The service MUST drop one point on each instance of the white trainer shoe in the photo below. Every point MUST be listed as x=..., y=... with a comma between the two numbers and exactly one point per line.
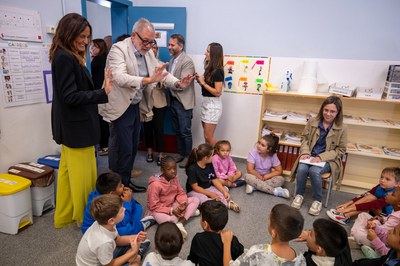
x=182, y=229
x=315, y=208
x=297, y=202
x=249, y=189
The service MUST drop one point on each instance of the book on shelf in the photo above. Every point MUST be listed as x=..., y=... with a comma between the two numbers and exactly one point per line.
x=269, y=113
x=268, y=131
x=350, y=118
x=342, y=89
x=380, y=122
x=308, y=161
x=369, y=148
x=292, y=137
x=391, y=151
x=351, y=147
x=296, y=117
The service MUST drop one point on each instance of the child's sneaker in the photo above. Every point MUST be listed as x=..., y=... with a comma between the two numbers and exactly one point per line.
x=281, y=192
x=338, y=217
x=315, y=208
x=196, y=213
x=240, y=182
x=147, y=222
x=182, y=229
x=249, y=189
x=369, y=252
x=297, y=202
x=144, y=247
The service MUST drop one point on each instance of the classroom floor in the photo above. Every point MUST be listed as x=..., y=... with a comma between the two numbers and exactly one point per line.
x=42, y=244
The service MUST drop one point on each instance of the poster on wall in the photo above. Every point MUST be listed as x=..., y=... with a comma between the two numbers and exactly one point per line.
x=23, y=66
x=20, y=24
x=246, y=74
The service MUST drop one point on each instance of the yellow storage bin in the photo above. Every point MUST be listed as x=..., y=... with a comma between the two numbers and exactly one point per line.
x=15, y=203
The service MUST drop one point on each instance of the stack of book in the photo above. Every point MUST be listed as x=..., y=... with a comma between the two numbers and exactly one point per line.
x=292, y=137
x=369, y=148
x=269, y=113
x=391, y=151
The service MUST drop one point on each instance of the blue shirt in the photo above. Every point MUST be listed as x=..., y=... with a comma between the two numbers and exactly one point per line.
x=320, y=145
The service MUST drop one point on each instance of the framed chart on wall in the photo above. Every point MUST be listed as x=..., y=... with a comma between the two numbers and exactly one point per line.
x=246, y=74
x=24, y=66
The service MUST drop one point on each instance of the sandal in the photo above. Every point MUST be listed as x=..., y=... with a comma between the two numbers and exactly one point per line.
x=233, y=206
x=150, y=158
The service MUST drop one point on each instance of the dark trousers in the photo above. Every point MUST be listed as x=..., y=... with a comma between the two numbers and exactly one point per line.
x=124, y=142
x=155, y=127
x=182, y=125
x=104, y=133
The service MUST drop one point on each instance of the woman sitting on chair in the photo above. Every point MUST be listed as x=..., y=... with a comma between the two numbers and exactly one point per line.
x=324, y=139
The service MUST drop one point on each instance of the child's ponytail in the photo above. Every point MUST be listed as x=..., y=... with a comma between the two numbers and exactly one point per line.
x=199, y=153
x=273, y=143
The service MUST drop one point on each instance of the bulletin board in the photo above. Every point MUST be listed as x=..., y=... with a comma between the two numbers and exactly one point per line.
x=246, y=74
x=25, y=67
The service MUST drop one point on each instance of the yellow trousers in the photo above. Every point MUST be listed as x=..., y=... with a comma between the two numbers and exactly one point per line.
x=77, y=176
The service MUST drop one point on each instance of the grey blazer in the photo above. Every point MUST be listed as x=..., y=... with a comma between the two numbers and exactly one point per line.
x=122, y=61
x=183, y=68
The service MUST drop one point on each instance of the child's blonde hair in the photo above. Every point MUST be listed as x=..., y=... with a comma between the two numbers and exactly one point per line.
x=105, y=207
x=395, y=171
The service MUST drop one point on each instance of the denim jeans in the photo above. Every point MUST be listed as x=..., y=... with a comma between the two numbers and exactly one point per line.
x=124, y=142
x=182, y=125
x=314, y=172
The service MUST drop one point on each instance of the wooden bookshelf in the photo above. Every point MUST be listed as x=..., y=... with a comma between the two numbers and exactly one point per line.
x=362, y=169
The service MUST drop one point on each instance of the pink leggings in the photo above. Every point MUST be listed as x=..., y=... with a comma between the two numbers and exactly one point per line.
x=359, y=230
x=161, y=217
x=204, y=198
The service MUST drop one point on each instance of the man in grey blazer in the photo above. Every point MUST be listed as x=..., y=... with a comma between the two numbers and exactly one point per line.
x=182, y=101
x=134, y=68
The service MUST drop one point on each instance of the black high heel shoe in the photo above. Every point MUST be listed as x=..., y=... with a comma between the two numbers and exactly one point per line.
x=150, y=158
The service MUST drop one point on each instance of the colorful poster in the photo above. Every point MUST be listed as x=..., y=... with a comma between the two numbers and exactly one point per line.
x=246, y=74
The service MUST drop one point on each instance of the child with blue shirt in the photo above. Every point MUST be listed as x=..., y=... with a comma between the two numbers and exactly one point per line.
x=110, y=183
x=373, y=200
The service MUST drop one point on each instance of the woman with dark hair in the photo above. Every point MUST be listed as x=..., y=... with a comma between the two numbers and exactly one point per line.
x=98, y=55
x=211, y=89
x=74, y=117
x=324, y=139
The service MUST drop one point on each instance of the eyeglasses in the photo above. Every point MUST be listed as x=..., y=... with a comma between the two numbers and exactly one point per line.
x=146, y=42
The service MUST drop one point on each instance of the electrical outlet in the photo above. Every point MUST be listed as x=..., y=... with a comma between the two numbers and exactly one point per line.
x=51, y=29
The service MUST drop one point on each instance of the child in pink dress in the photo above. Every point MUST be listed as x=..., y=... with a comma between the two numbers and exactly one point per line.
x=224, y=167
x=166, y=200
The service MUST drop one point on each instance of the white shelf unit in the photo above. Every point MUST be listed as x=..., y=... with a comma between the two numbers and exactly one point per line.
x=362, y=169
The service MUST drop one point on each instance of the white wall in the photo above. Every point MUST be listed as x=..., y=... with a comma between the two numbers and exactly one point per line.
x=100, y=19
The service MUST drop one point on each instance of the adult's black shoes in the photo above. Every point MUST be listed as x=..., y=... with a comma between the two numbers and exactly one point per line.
x=136, y=188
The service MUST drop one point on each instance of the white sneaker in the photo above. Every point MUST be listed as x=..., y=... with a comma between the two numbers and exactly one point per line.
x=249, y=189
x=182, y=229
x=297, y=202
x=196, y=213
x=315, y=208
x=281, y=192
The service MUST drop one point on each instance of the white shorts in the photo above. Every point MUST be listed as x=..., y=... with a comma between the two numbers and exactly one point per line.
x=211, y=110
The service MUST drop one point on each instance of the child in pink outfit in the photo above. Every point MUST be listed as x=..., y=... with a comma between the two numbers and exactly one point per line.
x=224, y=167
x=166, y=200
x=373, y=231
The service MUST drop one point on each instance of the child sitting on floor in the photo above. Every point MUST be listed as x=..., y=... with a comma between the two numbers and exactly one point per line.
x=327, y=244
x=285, y=224
x=372, y=231
x=166, y=200
x=168, y=241
x=224, y=166
x=98, y=244
x=373, y=200
x=264, y=170
x=202, y=181
x=393, y=256
x=207, y=248
x=110, y=183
